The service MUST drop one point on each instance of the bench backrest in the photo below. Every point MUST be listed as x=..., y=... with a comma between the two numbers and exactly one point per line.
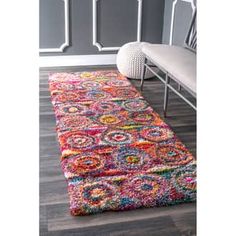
x=190, y=41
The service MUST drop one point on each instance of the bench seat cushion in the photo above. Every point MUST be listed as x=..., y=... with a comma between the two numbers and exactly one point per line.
x=177, y=61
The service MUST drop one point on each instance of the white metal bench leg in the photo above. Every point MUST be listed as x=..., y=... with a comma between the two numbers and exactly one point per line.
x=179, y=87
x=166, y=95
x=143, y=74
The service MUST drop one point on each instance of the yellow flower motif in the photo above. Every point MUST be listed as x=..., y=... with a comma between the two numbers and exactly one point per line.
x=101, y=79
x=97, y=193
x=109, y=119
x=119, y=178
x=86, y=74
x=73, y=109
x=132, y=159
x=125, y=127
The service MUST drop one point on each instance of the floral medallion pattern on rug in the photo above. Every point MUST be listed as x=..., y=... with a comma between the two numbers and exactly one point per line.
x=117, y=153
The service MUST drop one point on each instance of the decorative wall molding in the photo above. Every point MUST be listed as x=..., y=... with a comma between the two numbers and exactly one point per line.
x=95, y=40
x=66, y=43
x=173, y=16
x=77, y=60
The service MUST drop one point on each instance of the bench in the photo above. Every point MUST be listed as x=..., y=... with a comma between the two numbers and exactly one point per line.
x=177, y=63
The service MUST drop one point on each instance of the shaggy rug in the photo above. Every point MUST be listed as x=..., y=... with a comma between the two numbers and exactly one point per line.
x=117, y=153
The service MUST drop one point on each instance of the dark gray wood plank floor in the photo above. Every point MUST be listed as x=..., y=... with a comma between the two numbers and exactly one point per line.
x=55, y=218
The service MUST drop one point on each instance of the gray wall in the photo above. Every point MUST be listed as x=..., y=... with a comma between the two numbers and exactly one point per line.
x=117, y=24
x=183, y=15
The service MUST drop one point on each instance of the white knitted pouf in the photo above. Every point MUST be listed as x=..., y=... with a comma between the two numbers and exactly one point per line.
x=130, y=60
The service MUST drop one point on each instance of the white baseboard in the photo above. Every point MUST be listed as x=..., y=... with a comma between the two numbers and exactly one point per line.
x=77, y=60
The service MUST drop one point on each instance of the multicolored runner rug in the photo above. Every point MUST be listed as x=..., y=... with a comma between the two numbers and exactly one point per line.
x=117, y=153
